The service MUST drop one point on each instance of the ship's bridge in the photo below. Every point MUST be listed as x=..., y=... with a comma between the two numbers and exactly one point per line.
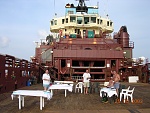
x=74, y=20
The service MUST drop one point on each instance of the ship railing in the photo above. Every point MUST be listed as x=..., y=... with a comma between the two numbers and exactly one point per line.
x=98, y=44
x=79, y=67
x=102, y=46
x=38, y=44
x=77, y=77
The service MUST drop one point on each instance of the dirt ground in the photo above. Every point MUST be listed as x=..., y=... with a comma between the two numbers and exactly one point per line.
x=78, y=103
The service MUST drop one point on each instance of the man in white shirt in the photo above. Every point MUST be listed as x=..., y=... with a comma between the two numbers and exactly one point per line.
x=86, y=81
x=46, y=80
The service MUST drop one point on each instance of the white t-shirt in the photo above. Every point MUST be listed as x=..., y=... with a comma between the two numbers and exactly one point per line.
x=46, y=76
x=86, y=77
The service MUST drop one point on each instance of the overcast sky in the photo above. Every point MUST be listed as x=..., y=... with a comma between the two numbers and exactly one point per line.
x=24, y=21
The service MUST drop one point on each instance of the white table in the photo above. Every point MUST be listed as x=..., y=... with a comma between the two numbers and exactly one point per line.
x=61, y=86
x=109, y=91
x=133, y=79
x=38, y=93
x=63, y=82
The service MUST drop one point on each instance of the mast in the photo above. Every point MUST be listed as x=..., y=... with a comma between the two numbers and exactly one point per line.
x=81, y=7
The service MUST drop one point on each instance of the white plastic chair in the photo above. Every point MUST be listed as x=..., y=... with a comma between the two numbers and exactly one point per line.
x=123, y=92
x=129, y=94
x=78, y=86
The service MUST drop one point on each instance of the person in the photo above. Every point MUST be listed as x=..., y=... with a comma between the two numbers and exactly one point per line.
x=111, y=82
x=116, y=79
x=46, y=80
x=86, y=81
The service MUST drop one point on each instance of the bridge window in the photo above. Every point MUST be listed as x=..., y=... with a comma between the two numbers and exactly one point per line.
x=79, y=20
x=72, y=19
x=93, y=19
x=86, y=20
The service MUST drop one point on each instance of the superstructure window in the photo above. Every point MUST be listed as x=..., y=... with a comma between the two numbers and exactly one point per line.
x=79, y=20
x=55, y=22
x=111, y=23
x=93, y=19
x=107, y=23
x=97, y=21
x=72, y=19
x=101, y=21
x=63, y=21
x=77, y=31
x=66, y=20
x=86, y=20
x=52, y=23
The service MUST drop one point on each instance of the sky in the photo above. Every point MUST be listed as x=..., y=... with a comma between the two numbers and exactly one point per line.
x=24, y=22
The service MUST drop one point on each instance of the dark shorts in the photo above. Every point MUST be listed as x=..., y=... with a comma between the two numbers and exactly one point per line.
x=116, y=85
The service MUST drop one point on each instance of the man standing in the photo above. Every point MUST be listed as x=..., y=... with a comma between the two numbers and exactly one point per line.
x=46, y=80
x=86, y=81
x=116, y=79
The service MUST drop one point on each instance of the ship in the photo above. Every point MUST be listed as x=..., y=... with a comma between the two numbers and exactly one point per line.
x=80, y=40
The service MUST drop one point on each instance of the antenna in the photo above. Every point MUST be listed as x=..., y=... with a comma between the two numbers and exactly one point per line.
x=55, y=14
x=105, y=8
x=97, y=3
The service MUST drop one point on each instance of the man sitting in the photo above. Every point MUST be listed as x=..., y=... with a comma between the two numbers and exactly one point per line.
x=111, y=83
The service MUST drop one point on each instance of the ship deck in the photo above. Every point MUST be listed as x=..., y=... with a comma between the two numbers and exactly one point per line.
x=76, y=102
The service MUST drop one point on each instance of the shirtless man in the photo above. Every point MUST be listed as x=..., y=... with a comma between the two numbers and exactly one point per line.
x=116, y=78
